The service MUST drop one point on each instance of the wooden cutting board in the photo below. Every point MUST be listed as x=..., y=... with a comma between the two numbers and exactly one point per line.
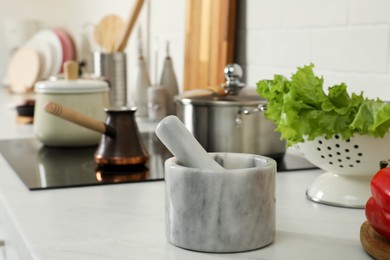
x=23, y=70
x=374, y=244
x=209, y=41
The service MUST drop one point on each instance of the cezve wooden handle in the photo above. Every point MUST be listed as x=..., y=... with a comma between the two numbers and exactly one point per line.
x=121, y=44
x=75, y=117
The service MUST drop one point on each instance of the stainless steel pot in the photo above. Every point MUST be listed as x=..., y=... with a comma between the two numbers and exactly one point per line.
x=231, y=123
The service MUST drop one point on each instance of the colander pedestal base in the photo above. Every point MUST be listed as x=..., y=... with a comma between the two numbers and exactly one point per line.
x=341, y=191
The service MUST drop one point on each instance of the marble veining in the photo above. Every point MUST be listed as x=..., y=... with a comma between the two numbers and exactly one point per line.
x=231, y=210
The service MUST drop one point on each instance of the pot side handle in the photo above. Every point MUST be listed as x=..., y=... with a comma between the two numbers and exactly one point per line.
x=259, y=108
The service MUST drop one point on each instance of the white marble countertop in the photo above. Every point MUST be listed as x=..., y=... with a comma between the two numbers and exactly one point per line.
x=126, y=221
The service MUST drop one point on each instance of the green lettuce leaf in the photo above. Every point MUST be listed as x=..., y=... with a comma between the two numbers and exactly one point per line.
x=300, y=108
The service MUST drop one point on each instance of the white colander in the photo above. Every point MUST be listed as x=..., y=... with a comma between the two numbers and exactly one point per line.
x=350, y=165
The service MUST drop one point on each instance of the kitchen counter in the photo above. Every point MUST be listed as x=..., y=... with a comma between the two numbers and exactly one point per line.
x=126, y=221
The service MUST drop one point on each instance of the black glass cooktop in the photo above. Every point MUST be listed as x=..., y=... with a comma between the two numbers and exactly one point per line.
x=41, y=167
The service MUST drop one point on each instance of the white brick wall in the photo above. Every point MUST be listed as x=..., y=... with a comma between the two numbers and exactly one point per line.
x=347, y=40
x=369, y=12
x=314, y=13
x=351, y=48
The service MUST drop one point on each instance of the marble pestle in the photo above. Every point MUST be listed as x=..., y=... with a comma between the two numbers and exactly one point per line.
x=183, y=145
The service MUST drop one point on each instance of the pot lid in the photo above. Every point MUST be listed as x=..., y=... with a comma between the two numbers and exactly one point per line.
x=71, y=86
x=228, y=100
x=234, y=92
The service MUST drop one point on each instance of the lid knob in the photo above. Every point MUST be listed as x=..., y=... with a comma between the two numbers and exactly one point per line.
x=233, y=74
x=71, y=70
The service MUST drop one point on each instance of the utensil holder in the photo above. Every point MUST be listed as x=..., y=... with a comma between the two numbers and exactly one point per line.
x=112, y=67
x=231, y=210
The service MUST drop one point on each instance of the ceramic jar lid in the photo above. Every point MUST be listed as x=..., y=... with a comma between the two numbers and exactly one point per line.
x=71, y=86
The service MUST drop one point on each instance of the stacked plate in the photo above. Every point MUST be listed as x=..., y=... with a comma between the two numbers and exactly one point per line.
x=40, y=58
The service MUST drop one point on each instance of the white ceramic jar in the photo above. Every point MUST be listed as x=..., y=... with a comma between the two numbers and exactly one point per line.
x=89, y=97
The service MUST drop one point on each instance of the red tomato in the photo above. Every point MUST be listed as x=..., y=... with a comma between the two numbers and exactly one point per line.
x=378, y=218
x=380, y=188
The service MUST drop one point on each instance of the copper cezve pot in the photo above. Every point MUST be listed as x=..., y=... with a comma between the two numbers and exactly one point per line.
x=120, y=143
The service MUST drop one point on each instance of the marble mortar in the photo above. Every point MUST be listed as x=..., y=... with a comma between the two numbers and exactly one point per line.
x=231, y=210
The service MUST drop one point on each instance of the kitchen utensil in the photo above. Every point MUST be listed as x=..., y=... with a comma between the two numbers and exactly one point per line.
x=139, y=90
x=181, y=143
x=23, y=70
x=157, y=99
x=349, y=165
x=122, y=41
x=86, y=96
x=220, y=211
x=169, y=81
x=232, y=122
x=88, y=42
x=25, y=112
x=112, y=67
x=374, y=244
x=120, y=143
x=26, y=109
x=157, y=95
x=108, y=30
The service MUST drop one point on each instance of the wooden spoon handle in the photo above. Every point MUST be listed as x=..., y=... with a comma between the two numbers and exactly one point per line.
x=75, y=117
x=121, y=44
